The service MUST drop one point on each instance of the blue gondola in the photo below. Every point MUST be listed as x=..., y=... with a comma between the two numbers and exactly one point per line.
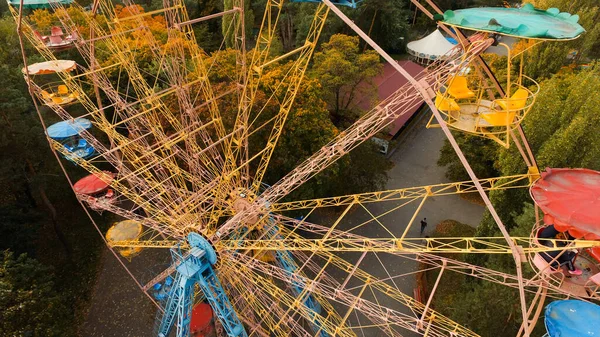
x=572, y=318
x=67, y=133
x=161, y=290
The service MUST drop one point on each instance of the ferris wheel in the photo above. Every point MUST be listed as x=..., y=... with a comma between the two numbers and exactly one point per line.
x=172, y=149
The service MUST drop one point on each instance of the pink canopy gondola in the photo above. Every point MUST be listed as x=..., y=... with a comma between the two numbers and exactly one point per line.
x=570, y=199
x=93, y=183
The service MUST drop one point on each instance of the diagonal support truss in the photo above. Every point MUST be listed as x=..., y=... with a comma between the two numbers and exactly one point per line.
x=295, y=79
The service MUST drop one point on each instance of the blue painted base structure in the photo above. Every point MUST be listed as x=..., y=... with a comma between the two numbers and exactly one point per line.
x=348, y=3
x=196, y=268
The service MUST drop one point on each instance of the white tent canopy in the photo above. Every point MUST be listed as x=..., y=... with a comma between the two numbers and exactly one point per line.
x=431, y=47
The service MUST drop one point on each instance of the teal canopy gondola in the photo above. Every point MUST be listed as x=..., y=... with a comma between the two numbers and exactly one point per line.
x=68, y=129
x=524, y=22
x=348, y=3
x=572, y=318
x=37, y=4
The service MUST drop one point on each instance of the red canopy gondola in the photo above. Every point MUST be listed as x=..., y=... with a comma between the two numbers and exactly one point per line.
x=93, y=183
x=201, y=323
x=570, y=199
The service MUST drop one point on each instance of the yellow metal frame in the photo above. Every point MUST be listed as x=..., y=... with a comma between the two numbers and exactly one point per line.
x=489, y=184
x=179, y=162
x=480, y=126
x=462, y=245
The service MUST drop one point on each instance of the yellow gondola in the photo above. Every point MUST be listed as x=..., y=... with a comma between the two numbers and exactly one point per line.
x=471, y=107
x=128, y=230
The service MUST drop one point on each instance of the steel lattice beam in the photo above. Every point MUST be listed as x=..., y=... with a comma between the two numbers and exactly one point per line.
x=468, y=245
x=371, y=123
x=489, y=184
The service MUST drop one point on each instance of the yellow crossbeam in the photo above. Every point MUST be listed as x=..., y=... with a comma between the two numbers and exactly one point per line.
x=490, y=184
x=472, y=245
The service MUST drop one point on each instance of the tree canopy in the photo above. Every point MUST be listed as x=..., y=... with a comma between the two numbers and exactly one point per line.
x=547, y=58
x=562, y=129
x=345, y=75
x=30, y=304
x=40, y=291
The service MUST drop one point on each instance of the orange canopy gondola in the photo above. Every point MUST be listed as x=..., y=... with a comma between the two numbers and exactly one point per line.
x=50, y=67
x=570, y=199
x=93, y=183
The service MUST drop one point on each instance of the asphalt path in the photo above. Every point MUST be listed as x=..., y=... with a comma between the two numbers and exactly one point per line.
x=415, y=164
x=118, y=307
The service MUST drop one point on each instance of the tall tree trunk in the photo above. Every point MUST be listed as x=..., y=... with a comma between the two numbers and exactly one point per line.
x=53, y=215
x=370, y=28
x=29, y=195
x=57, y=230
x=287, y=33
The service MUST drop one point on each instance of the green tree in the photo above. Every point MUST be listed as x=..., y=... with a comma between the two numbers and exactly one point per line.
x=547, y=58
x=228, y=23
x=18, y=228
x=562, y=124
x=345, y=75
x=295, y=21
x=39, y=214
x=423, y=24
x=307, y=129
x=480, y=153
x=387, y=22
x=30, y=304
x=561, y=129
x=488, y=308
x=446, y=295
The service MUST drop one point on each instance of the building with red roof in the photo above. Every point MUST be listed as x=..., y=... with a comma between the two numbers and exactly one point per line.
x=389, y=82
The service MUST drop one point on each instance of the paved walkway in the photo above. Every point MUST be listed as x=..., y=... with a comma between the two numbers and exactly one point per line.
x=118, y=307
x=415, y=162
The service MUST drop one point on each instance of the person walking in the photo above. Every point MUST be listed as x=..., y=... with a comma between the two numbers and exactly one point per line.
x=423, y=225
